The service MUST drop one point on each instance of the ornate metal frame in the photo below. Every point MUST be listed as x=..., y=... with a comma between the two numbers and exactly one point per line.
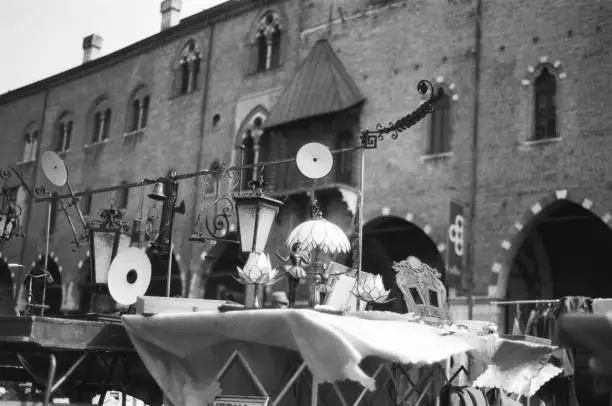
x=17, y=211
x=370, y=138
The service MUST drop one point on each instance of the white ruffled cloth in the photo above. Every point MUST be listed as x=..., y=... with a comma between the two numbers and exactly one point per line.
x=183, y=351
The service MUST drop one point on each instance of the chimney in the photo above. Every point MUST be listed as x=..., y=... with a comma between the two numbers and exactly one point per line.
x=92, y=47
x=170, y=13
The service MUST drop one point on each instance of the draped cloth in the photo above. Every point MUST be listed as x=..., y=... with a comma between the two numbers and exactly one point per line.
x=184, y=352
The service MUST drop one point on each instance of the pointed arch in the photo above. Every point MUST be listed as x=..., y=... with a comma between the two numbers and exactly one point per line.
x=31, y=141
x=63, y=132
x=267, y=40
x=99, y=120
x=249, y=139
x=186, y=68
x=500, y=270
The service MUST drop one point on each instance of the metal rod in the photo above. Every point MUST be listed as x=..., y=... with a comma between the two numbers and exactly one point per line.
x=45, y=270
x=535, y=301
x=50, y=378
x=185, y=176
x=287, y=386
x=360, y=220
x=69, y=372
x=75, y=201
x=170, y=253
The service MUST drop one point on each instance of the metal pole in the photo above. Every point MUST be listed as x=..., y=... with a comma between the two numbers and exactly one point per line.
x=45, y=269
x=360, y=217
x=170, y=253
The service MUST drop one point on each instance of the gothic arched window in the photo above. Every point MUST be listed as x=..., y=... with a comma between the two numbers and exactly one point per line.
x=440, y=129
x=138, y=113
x=545, y=109
x=30, y=143
x=63, y=133
x=268, y=38
x=187, y=69
x=101, y=117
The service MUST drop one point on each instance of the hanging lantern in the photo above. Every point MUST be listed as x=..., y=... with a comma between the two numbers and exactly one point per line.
x=256, y=214
x=105, y=242
x=9, y=216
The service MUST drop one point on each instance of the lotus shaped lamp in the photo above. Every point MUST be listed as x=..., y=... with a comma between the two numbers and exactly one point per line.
x=257, y=270
x=370, y=289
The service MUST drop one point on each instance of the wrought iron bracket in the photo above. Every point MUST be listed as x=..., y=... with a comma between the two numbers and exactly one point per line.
x=370, y=138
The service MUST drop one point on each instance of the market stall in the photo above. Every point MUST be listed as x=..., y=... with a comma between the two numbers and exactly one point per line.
x=187, y=354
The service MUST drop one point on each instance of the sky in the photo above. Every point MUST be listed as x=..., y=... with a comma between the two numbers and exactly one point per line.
x=39, y=38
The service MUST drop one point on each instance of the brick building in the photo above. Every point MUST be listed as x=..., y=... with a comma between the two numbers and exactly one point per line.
x=518, y=138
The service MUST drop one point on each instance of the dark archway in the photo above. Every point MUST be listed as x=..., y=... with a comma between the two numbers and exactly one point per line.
x=159, y=274
x=219, y=271
x=564, y=252
x=391, y=239
x=7, y=297
x=53, y=294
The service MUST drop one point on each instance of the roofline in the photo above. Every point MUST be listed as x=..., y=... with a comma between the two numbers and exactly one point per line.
x=187, y=25
x=295, y=122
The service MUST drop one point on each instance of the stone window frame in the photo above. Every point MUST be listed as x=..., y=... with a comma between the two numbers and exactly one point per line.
x=527, y=140
x=31, y=142
x=267, y=41
x=450, y=89
x=99, y=121
x=138, y=109
x=251, y=127
x=63, y=132
x=187, y=69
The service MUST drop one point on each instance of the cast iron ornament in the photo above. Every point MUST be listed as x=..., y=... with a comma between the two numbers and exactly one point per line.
x=370, y=138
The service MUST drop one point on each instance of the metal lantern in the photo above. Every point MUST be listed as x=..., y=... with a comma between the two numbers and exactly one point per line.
x=256, y=214
x=105, y=241
x=9, y=216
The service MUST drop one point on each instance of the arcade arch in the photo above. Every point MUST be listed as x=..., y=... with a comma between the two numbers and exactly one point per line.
x=389, y=238
x=560, y=248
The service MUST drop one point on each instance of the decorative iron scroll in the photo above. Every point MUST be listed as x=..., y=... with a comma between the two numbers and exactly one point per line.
x=37, y=191
x=370, y=138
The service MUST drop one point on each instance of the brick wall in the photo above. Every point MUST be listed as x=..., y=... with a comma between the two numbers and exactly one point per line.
x=387, y=47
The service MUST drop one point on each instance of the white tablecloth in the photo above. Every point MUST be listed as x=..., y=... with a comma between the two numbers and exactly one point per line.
x=176, y=348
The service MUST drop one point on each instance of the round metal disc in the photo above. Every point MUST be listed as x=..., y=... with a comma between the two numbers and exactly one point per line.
x=54, y=168
x=314, y=160
x=129, y=275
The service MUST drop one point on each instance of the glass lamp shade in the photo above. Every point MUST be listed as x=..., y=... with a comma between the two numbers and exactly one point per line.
x=104, y=246
x=255, y=217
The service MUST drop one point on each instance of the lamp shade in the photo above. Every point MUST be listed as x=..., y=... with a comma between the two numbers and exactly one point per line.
x=256, y=214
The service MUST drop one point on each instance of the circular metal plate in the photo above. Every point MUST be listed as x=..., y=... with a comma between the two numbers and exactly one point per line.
x=54, y=168
x=129, y=275
x=314, y=160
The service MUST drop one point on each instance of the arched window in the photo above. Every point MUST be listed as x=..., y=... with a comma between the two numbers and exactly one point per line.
x=545, y=111
x=250, y=133
x=30, y=143
x=100, y=121
x=248, y=157
x=138, y=113
x=122, y=197
x=187, y=69
x=63, y=133
x=440, y=130
x=268, y=38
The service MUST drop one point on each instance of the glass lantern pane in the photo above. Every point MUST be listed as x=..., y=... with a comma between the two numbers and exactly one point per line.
x=246, y=211
x=103, y=251
x=267, y=213
x=124, y=242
